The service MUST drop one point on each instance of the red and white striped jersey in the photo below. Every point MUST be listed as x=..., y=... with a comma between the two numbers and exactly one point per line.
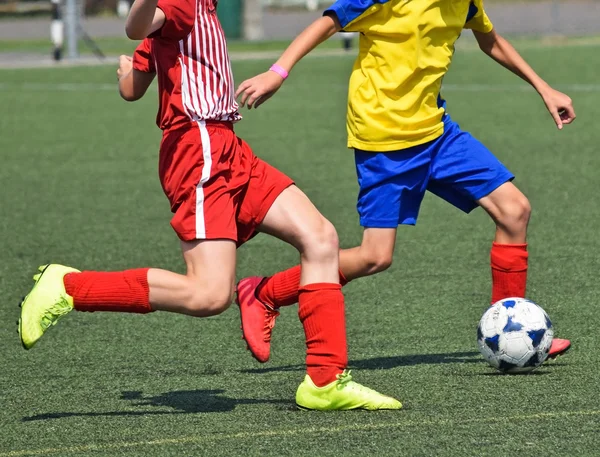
x=189, y=56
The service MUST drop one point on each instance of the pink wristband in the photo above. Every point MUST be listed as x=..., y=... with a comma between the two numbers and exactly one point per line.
x=279, y=70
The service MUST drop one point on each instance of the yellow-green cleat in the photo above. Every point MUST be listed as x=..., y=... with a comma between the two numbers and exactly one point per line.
x=342, y=394
x=47, y=302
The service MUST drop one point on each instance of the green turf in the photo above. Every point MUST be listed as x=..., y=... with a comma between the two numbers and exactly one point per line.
x=80, y=187
x=116, y=46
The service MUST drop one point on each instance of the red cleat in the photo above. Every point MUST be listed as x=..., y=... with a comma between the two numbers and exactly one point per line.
x=257, y=318
x=558, y=347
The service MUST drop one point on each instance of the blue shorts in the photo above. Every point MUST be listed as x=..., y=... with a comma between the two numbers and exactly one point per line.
x=455, y=166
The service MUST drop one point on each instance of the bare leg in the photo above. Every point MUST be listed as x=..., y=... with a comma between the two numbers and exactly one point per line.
x=206, y=289
x=510, y=210
x=373, y=255
x=294, y=219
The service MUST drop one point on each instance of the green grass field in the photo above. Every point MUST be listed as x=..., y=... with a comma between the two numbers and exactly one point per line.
x=81, y=188
x=122, y=45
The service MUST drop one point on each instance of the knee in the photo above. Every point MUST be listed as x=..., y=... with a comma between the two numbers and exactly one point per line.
x=209, y=301
x=321, y=243
x=377, y=261
x=514, y=214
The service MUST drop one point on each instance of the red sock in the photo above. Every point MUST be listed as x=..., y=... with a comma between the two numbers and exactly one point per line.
x=321, y=311
x=509, y=270
x=124, y=291
x=281, y=289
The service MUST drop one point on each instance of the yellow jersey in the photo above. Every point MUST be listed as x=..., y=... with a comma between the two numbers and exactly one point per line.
x=405, y=49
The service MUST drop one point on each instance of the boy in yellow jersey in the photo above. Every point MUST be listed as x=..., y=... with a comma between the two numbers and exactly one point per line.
x=405, y=143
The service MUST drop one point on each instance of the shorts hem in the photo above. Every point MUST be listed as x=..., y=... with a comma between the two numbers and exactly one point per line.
x=268, y=202
x=370, y=223
x=192, y=236
x=487, y=189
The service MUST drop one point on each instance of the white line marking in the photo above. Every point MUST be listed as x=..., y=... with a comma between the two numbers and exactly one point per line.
x=298, y=431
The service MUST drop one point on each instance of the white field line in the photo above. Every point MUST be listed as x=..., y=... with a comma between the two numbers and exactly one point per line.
x=197, y=439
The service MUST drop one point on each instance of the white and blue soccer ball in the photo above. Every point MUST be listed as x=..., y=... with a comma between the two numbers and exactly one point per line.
x=515, y=335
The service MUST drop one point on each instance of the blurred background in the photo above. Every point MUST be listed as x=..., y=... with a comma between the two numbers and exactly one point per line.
x=61, y=29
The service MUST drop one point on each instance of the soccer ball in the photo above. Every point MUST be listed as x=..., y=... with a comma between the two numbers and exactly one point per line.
x=515, y=335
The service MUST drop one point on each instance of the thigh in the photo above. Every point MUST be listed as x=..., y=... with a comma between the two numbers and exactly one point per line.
x=374, y=254
x=502, y=200
x=391, y=186
x=464, y=170
x=264, y=187
x=292, y=217
x=211, y=263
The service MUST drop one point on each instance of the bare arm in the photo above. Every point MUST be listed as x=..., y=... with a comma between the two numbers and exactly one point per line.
x=144, y=18
x=133, y=83
x=312, y=36
x=257, y=90
x=559, y=105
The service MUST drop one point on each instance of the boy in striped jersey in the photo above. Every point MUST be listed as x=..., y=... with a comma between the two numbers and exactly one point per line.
x=221, y=194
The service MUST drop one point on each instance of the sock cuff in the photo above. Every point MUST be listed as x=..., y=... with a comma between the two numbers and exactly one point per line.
x=68, y=282
x=140, y=275
x=508, y=246
x=509, y=257
x=317, y=286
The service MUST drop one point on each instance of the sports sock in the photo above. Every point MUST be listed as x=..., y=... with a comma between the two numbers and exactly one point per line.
x=281, y=289
x=124, y=291
x=321, y=311
x=509, y=270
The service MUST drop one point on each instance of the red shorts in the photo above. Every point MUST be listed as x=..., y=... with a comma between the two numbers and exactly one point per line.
x=217, y=187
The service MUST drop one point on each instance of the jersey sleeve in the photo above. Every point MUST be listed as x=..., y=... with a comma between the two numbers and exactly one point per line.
x=477, y=19
x=142, y=57
x=350, y=12
x=179, y=19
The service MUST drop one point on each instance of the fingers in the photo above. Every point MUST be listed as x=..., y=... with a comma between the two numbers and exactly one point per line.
x=254, y=98
x=249, y=95
x=248, y=92
x=245, y=95
x=242, y=87
x=557, y=119
x=568, y=115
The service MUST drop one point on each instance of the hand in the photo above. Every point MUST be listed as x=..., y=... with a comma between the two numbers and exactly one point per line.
x=255, y=91
x=560, y=107
x=125, y=66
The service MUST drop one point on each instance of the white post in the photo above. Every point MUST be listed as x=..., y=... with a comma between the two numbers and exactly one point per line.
x=312, y=5
x=123, y=7
x=72, y=20
x=252, y=20
x=57, y=30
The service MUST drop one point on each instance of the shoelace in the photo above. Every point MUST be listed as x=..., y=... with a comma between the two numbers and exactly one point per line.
x=270, y=317
x=55, y=311
x=344, y=379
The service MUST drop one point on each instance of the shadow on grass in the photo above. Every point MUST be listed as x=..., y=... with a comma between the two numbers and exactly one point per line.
x=386, y=363
x=180, y=402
